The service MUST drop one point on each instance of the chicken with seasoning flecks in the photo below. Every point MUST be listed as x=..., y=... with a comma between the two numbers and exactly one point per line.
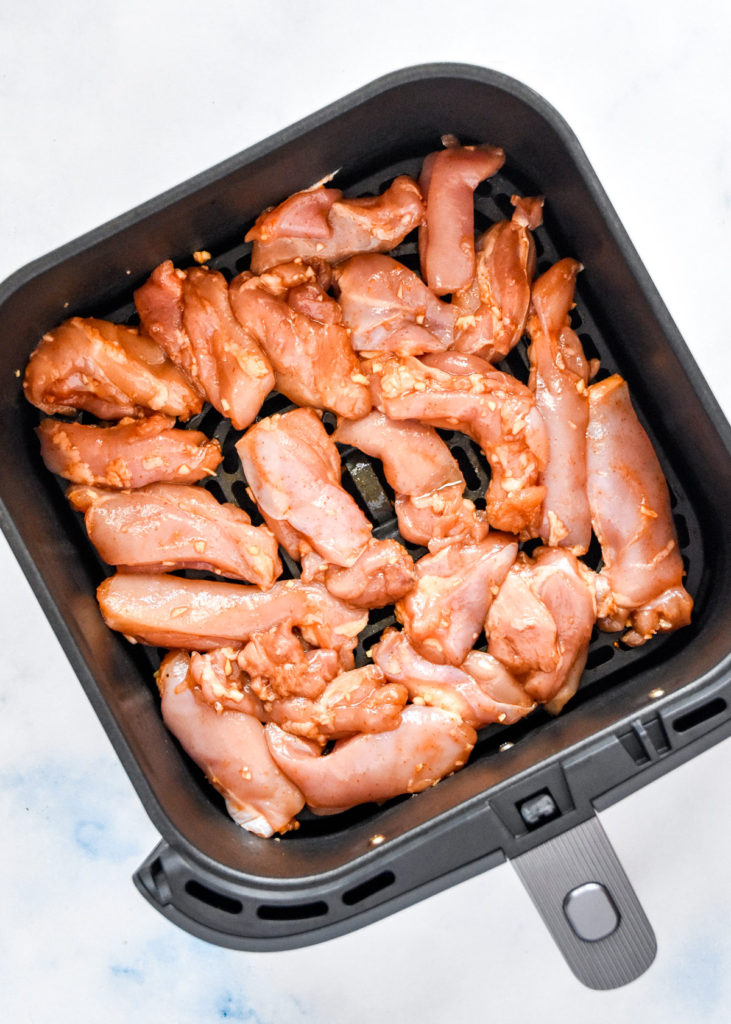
x=299, y=327
x=465, y=393
x=319, y=223
x=420, y=615
x=166, y=527
x=293, y=469
x=128, y=454
x=189, y=314
x=429, y=487
x=108, y=370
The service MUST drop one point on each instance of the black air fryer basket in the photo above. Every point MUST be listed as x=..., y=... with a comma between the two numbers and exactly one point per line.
x=529, y=792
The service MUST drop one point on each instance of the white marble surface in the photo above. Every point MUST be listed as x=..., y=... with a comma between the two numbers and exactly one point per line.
x=103, y=106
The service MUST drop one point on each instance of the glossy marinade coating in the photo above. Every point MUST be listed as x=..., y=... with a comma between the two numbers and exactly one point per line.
x=129, y=454
x=231, y=749
x=189, y=314
x=166, y=527
x=107, y=369
x=319, y=223
x=559, y=375
x=198, y=615
x=641, y=584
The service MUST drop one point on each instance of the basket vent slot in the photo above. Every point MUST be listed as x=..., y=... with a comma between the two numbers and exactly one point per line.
x=214, y=899
x=291, y=911
x=700, y=714
x=368, y=888
x=599, y=656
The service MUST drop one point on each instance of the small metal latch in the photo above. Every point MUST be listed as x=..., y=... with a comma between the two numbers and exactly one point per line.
x=538, y=809
x=588, y=904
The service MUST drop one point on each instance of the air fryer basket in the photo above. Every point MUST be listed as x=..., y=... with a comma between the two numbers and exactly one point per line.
x=529, y=791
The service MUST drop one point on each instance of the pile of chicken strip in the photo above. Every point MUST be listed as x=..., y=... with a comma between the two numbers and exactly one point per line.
x=259, y=685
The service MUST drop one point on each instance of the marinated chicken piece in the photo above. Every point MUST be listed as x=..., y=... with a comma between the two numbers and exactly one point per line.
x=558, y=378
x=165, y=527
x=429, y=486
x=188, y=312
x=220, y=682
x=293, y=469
x=299, y=326
x=493, y=308
x=286, y=537
x=447, y=239
x=415, y=459
x=314, y=698
x=444, y=613
x=479, y=691
x=427, y=744
x=319, y=223
x=359, y=701
x=301, y=215
x=539, y=625
x=387, y=307
x=133, y=453
x=462, y=392
x=433, y=520
x=279, y=664
x=198, y=615
x=641, y=583
x=108, y=370
x=339, y=703
x=230, y=748
x=382, y=574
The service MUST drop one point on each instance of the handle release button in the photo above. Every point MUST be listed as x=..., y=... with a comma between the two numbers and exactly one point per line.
x=591, y=911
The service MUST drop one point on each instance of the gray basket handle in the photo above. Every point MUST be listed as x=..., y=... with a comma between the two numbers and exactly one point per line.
x=589, y=906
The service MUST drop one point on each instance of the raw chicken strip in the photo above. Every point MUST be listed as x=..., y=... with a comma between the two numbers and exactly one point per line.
x=108, y=370
x=198, y=615
x=221, y=683
x=382, y=574
x=359, y=701
x=447, y=239
x=539, y=625
x=387, y=307
x=462, y=392
x=419, y=466
x=444, y=613
x=164, y=527
x=133, y=453
x=559, y=377
x=188, y=312
x=279, y=664
x=433, y=520
x=307, y=693
x=480, y=691
x=230, y=748
x=299, y=326
x=641, y=584
x=293, y=469
x=493, y=308
x=427, y=744
x=319, y=223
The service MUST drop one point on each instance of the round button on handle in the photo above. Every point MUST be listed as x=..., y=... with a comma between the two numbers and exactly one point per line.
x=591, y=912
